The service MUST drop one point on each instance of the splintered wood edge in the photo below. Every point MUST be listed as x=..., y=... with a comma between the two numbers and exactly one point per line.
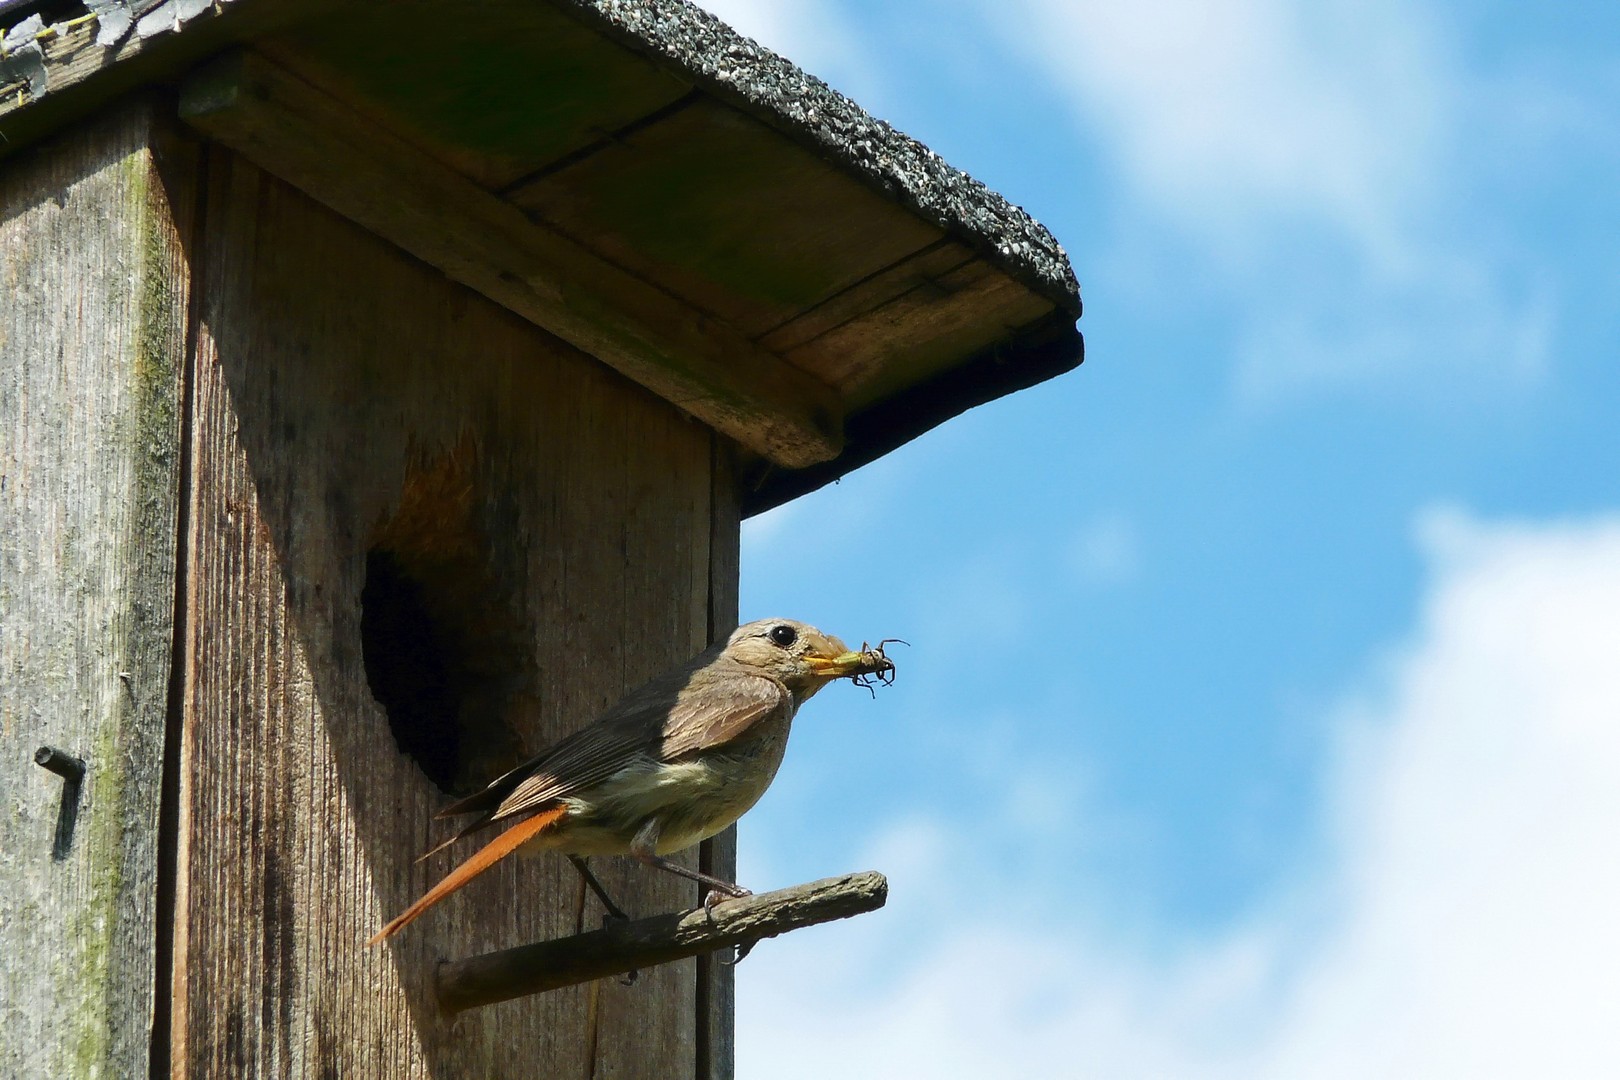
x=320, y=145
x=643, y=943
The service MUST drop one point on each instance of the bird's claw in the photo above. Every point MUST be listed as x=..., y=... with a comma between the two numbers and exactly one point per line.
x=715, y=896
x=608, y=919
x=739, y=952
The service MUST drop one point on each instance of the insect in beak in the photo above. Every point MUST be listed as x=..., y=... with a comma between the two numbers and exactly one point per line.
x=859, y=666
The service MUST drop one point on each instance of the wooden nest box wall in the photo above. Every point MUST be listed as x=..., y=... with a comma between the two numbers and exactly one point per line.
x=381, y=391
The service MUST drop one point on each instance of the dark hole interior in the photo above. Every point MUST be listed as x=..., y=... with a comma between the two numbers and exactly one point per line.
x=443, y=625
x=414, y=667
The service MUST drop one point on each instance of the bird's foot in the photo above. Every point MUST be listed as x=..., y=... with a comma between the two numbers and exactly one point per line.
x=719, y=895
x=614, y=915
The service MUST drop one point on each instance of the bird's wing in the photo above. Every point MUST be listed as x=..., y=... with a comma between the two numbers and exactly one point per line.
x=725, y=709
x=654, y=722
x=583, y=758
x=587, y=758
x=662, y=721
x=631, y=728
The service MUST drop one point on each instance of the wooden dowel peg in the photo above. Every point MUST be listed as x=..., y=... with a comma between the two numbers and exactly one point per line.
x=71, y=770
x=61, y=763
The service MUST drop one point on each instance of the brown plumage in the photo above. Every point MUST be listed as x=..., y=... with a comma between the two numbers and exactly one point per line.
x=672, y=763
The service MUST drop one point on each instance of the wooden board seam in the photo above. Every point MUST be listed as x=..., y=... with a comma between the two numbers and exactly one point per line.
x=400, y=193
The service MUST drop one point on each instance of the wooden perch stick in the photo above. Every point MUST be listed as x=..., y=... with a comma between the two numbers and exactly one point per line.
x=619, y=947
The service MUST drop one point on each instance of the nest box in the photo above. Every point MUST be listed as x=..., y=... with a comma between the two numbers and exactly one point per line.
x=381, y=390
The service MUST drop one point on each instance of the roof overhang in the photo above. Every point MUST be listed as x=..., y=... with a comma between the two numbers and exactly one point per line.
x=634, y=177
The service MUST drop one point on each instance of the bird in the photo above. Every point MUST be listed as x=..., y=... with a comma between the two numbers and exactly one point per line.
x=674, y=762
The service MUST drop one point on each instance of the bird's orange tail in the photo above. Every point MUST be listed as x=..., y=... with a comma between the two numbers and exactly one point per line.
x=484, y=858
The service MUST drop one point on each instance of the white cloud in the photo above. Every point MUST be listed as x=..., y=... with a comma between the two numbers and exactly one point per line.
x=1236, y=113
x=1461, y=925
x=814, y=34
x=1454, y=336
x=1318, y=158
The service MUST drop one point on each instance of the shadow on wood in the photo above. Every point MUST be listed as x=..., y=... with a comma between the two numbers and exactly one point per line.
x=629, y=946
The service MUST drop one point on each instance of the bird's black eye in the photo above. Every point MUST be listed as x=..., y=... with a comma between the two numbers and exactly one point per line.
x=784, y=635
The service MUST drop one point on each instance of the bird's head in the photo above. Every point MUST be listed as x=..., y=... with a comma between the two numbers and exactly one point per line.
x=800, y=656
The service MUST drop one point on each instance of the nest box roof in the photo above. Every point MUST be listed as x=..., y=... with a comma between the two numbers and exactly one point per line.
x=631, y=175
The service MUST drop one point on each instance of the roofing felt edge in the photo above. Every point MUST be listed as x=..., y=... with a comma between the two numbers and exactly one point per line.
x=1043, y=350
x=704, y=50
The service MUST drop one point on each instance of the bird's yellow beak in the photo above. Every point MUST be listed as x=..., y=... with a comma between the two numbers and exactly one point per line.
x=836, y=666
x=836, y=662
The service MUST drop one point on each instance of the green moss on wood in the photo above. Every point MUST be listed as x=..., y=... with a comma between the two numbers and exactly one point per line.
x=153, y=364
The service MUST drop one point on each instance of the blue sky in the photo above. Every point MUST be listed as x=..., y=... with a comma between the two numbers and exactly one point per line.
x=1262, y=715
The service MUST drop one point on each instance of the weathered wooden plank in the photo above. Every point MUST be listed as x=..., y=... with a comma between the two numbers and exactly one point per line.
x=83, y=68
x=492, y=106
x=716, y=991
x=399, y=192
x=689, y=202
x=663, y=579
x=920, y=269
x=938, y=312
x=92, y=332
x=642, y=943
x=1040, y=351
x=350, y=397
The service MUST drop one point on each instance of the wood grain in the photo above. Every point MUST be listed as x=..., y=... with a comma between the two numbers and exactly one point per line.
x=82, y=75
x=920, y=270
x=716, y=989
x=917, y=319
x=332, y=369
x=728, y=213
x=92, y=332
x=493, y=111
x=699, y=363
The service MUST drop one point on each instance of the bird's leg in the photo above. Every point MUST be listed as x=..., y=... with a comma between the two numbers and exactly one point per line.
x=613, y=910
x=644, y=849
x=718, y=890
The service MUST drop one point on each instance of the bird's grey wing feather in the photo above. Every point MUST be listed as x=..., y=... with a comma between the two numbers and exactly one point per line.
x=726, y=709
x=628, y=731
x=654, y=722
x=584, y=758
x=629, y=728
x=490, y=795
x=578, y=764
x=721, y=712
